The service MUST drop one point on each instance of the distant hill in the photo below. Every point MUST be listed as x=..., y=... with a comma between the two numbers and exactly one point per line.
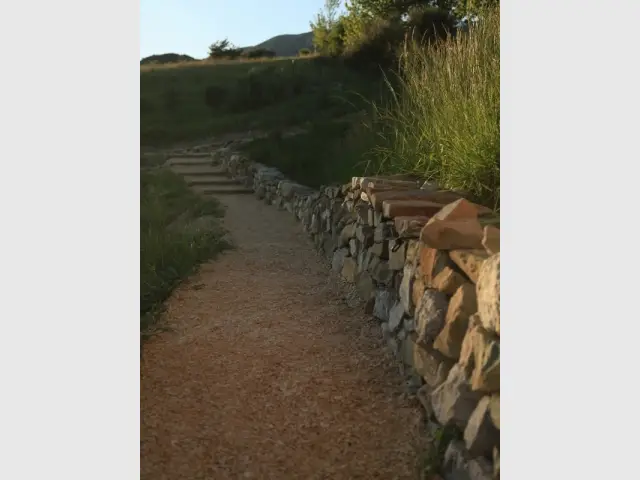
x=287, y=45
x=166, y=58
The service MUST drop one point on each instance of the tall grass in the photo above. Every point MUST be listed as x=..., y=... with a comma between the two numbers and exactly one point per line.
x=178, y=231
x=444, y=118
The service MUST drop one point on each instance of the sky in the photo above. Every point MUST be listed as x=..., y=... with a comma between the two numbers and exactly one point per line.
x=190, y=26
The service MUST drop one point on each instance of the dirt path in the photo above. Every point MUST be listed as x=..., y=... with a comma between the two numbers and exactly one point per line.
x=267, y=373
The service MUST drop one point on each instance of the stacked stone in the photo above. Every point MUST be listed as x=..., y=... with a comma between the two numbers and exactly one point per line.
x=426, y=263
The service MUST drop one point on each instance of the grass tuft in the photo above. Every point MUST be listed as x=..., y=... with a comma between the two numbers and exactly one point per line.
x=443, y=121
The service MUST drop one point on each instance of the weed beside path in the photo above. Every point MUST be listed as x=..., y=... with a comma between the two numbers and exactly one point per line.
x=178, y=231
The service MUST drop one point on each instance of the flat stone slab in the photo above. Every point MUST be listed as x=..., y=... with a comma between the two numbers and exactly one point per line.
x=200, y=170
x=407, y=208
x=397, y=181
x=205, y=180
x=182, y=160
x=222, y=189
x=443, y=197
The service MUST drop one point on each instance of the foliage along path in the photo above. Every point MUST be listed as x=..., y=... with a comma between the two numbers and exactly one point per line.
x=268, y=371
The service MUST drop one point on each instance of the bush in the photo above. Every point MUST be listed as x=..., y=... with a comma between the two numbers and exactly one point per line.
x=444, y=122
x=427, y=24
x=376, y=44
x=304, y=52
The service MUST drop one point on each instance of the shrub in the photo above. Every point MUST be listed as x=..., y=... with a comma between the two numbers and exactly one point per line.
x=304, y=52
x=376, y=44
x=428, y=24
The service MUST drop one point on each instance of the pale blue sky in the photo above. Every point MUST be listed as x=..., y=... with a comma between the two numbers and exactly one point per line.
x=190, y=26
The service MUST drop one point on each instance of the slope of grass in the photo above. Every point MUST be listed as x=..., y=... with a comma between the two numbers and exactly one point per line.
x=444, y=122
x=195, y=101
x=178, y=231
x=325, y=154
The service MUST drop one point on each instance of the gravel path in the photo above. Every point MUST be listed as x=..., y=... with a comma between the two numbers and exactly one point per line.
x=268, y=373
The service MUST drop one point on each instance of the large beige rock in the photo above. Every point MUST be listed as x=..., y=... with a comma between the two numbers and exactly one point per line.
x=452, y=234
x=467, y=359
x=486, y=356
x=469, y=261
x=430, y=315
x=425, y=361
x=480, y=435
x=432, y=262
x=494, y=410
x=488, y=292
x=460, y=209
x=448, y=281
x=418, y=291
x=463, y=304
x=453, y=402
x=491, y=239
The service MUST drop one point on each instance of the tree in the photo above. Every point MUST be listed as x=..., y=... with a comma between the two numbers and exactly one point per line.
x=223, y=48
x=328, y=29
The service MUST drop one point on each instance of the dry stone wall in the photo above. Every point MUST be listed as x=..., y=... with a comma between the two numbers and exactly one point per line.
x=426, y=263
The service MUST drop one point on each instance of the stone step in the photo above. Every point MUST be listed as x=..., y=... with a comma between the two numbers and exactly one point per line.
x=222, y=189
x=198, y=170
x=205, y=180
x=182, y=160
x=191, y=154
